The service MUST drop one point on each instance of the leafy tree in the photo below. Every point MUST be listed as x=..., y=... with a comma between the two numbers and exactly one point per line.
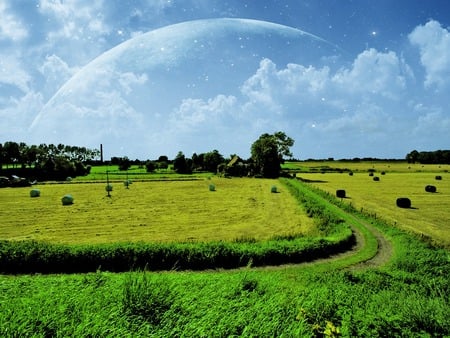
x=211, y=160
x=124, y=163
x=150, y=166
x=268, y=151
x=181, y=165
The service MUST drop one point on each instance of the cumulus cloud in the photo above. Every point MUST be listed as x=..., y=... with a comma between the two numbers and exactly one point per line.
x=374, y=73
x=433, y=41
x=193, y=114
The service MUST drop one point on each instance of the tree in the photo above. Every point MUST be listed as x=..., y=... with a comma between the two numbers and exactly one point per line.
x=211, y=160
x=268, y=151
x=181, y=165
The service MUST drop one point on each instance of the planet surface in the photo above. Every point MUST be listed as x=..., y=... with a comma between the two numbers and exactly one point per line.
x=163, y=91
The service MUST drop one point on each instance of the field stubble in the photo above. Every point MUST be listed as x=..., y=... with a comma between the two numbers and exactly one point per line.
x=429, y=214
x=152, y=211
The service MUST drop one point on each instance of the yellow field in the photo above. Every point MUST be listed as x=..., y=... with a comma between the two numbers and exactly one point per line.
x=429, y=213
x=152, y=211
x=364, y=166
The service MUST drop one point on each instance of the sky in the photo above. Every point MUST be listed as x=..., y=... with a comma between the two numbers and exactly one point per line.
x=366, y=79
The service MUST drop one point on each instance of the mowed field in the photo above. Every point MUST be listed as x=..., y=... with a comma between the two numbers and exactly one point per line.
x=239, y=208
x=429, y=213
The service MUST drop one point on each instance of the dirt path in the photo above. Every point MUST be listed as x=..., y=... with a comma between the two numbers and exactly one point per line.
x=384, y=251
x=381, y=257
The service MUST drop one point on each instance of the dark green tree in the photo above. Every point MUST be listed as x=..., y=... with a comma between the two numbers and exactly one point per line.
x=211, y=160
x=268, y=152
x=181, y=165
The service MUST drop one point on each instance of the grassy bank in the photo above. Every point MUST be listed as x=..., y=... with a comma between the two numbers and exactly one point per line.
x=408, y=297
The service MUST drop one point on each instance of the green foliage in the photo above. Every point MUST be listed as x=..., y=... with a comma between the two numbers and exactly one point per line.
x=181, y=165
x=268, y=151
x=146, y=299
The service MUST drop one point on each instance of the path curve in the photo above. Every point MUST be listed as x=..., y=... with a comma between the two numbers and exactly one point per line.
x=380, y=258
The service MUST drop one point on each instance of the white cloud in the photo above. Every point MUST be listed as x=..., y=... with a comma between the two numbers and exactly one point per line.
x=57, y=72
x=78, y=19
x=374, y=73
x=18, y=114
x=13, y=73
x=11, y=27
x=434, y=44
x=196, y=113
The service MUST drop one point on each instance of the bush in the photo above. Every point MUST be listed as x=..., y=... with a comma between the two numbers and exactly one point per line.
x=403, y=202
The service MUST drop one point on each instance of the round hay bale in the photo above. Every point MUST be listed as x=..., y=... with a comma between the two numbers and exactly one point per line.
x=438, y=177
x=127, y=183
x=403, y=202
x=383, y=173
x=35, y=193
x=273, y=189
x=340, y=193
x=370, y=174
x=109, y=187
x=67, y=200
x=212, y=187
x=69, y=179
x=430, y=188
x=350, y=173
x=376, y=178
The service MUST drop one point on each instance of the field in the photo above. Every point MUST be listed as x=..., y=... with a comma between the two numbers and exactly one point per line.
x=406, y=294
x=174, y=211
x=429, y=213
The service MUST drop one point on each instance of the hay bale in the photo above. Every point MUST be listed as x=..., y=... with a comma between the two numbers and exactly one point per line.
x=430, y=188
x=273, y=189
x=350, y=173
x=67, y=199
x=376, y=178
x=371, y=174
x=127, y=183
x=109, y=187
x=212, y=187
x=35, y=193
x=438, y=177
x=383, y=173
x=340, y=193
x=403, y=202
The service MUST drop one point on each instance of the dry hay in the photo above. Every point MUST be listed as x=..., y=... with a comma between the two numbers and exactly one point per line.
x=67, y=200
x=403, y=202
x=340, y=193
x=430, y=188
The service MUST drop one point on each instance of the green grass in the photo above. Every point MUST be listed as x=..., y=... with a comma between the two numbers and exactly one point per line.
x=409, y=297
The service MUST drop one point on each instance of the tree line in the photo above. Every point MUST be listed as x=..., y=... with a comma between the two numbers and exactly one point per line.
x=61, y=161
x=46, y=161
x=429, y=157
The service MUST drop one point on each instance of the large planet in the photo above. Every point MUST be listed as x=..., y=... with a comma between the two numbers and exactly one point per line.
x=190, y=87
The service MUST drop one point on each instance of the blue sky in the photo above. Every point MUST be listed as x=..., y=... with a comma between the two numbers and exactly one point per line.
x=379, y=88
